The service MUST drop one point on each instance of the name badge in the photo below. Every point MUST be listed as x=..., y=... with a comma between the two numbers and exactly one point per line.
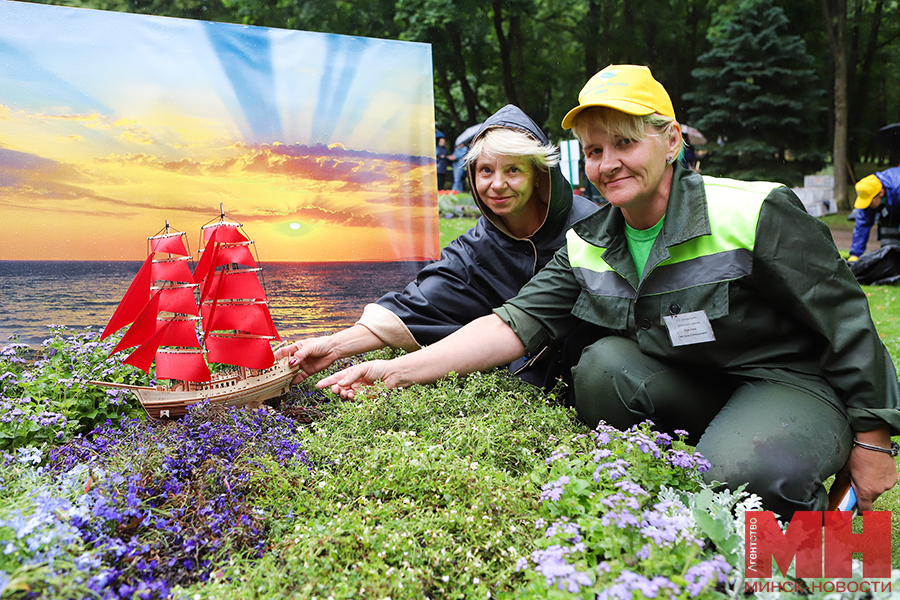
x=689, y=328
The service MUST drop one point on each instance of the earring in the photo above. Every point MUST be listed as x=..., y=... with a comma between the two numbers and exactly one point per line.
x=670, y=160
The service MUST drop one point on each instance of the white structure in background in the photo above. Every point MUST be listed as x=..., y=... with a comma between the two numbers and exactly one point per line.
x=569, y=153
x=817, y=195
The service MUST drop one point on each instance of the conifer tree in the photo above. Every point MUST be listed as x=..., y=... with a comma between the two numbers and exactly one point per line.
x=756, y=98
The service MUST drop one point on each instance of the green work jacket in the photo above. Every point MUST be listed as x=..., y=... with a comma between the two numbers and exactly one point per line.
x=781, y=302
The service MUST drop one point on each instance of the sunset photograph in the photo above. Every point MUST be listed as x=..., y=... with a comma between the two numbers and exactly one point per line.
x=321, y=145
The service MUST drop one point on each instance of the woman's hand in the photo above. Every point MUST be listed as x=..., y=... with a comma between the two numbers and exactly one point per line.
x=315, y=354
x=312, y=355
x=484, y=343
x=871, y=473
x=347, y=382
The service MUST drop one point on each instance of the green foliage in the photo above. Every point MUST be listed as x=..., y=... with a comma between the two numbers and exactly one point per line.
x=43, y=396
x=757, y=94
x=884, y=303
x=419, y=492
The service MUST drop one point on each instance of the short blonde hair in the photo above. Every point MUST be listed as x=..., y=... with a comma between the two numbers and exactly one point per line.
x=504, y=141
x=622, y=124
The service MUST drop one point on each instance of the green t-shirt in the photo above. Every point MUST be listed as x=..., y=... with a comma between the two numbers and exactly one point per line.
x=640, y=241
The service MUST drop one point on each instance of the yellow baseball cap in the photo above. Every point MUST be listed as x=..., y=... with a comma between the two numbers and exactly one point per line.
x=866, y=189
x=628, y=88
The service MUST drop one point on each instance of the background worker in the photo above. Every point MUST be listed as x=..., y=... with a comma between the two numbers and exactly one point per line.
x=878, y=200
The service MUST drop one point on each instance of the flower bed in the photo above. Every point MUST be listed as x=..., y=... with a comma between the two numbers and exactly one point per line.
x=474, y=487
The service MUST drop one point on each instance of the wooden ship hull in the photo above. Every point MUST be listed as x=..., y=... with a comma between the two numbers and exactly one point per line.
x=226, y=389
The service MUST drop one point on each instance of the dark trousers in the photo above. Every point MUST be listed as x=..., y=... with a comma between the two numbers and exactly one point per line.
x=782, y=436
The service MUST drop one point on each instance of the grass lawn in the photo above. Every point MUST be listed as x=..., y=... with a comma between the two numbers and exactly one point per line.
x=884, y=303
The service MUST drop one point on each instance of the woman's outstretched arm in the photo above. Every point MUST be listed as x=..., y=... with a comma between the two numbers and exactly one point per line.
x=484, y=343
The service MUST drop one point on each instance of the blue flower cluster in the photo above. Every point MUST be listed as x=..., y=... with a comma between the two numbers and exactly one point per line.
x=140, y=507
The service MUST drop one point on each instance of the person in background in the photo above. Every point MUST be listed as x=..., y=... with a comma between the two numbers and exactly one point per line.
x=443, y=162
x=526, y=205
x=459, y=167
x=730, y=315
x=877, y=200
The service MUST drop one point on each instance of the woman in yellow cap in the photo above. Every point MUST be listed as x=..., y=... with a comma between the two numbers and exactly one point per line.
x=877, y=198
x=731, y=313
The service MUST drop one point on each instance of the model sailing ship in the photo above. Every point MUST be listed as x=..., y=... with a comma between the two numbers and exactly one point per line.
x=163, y=305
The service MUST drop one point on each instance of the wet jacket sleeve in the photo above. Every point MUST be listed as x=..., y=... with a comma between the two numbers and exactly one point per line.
x=445, y=295
x=797, y=268
x=541, y=314
x=865, y=218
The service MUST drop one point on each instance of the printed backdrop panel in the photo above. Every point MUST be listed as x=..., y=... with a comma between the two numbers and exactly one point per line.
x=111, y=123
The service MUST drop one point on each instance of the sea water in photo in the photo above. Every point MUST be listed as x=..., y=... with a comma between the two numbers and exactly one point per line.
x=304, y=298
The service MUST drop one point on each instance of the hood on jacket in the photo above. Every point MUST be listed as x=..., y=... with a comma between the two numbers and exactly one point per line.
x=553, y=188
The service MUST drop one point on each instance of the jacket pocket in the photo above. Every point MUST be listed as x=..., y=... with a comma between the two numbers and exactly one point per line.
x=712, y=298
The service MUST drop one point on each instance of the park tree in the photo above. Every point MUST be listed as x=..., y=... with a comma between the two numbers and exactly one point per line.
x=757, y=86
x=756, y=96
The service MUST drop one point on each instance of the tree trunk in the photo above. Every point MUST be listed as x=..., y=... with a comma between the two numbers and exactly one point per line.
x=590, y=34
x=505, y=55
x=835, y=13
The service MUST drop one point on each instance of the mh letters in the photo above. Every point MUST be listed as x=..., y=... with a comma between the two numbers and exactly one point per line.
x=829, y=555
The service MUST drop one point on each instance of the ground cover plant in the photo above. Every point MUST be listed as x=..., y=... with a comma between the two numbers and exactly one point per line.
x=42, y=395
x=474, y=487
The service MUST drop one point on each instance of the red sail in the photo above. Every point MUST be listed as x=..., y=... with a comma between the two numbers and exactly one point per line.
x=142, y=358
x=245, y=285
x=144, y=327
x=207, y=261
x=133, y=302
x=235, y=254
x=177, y=332
x=224, y=234
x=172, y=244
x=245, y=352
x=172, y=270
x=249, y=318
x=235, y=285
x=178, y=300
x=186, y=366
x=180, y=332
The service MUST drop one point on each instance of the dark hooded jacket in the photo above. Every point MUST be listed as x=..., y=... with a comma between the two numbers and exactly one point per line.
x=482, y=268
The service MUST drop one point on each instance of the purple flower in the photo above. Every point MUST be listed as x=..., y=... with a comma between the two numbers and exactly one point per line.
x=556, y=455
x=679, y=458
x=554, y=491
x=551, y=564
x=614, y=470
x=601, y=454
x=628, y=582
x=663, y=439
x=566, y=528
x=702, y=464
x=712, y=571
x=632, y=488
